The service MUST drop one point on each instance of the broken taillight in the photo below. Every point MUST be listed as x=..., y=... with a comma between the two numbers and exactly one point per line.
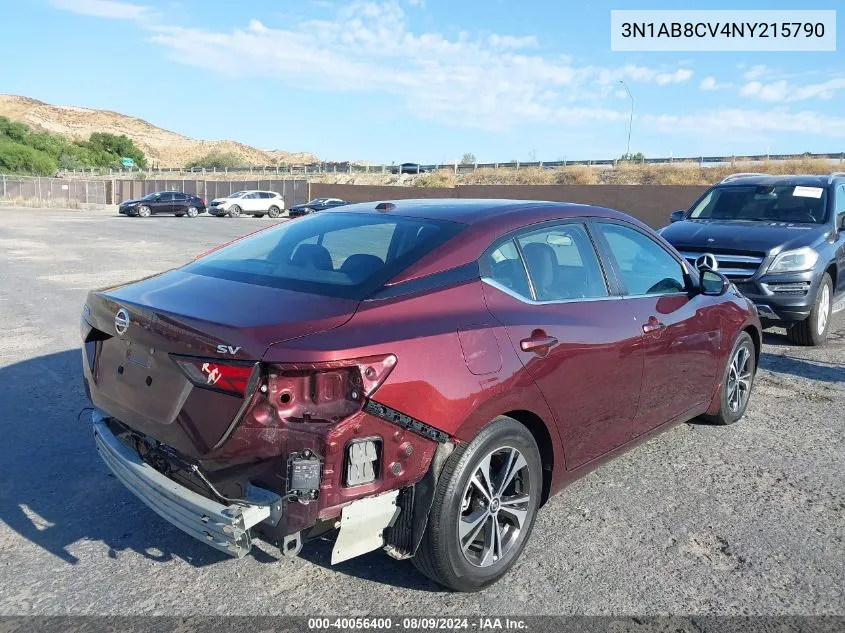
x=233, y=378
x=326, y=391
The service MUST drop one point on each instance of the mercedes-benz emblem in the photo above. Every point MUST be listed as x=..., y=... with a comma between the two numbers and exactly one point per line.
x=121, y=321
x=707, y=261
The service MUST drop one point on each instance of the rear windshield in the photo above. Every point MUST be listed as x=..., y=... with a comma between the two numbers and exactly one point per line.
x=789, y=203
x=347, y=255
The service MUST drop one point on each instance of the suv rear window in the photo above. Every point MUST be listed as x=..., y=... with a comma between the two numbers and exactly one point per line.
x=347, y=255
x=779, y=203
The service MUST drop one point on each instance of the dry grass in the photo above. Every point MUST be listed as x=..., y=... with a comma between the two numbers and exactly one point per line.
x=623, y=174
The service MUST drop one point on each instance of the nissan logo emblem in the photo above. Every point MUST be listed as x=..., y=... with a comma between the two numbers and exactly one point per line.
x=707, y=262
x=121, y=321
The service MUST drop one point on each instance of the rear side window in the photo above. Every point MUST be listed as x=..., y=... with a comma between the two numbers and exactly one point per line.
x=563, y=263
x=347, y=255
x=506, y=269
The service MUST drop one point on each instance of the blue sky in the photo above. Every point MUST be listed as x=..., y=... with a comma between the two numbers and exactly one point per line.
x=420, y=80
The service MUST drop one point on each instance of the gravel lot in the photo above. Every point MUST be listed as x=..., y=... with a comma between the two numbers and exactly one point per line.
x=748, y=519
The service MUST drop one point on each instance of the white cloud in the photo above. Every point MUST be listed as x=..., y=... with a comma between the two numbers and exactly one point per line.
x=104, y=9
x=734, y=123
x=494, y=82
x=756, y=71
x=710, y=83
x=784, y=92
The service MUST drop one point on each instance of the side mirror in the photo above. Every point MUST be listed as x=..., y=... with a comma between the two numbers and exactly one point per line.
x=713, y=284
x=676, y=216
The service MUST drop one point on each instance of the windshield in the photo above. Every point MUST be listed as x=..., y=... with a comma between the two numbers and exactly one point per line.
x=317, y=201
x=151, y=196
x=346, y=255
x=237, y=194
x=780, y=203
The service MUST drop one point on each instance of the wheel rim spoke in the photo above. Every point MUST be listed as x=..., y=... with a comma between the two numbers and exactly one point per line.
x=518, y=514
x=470, y=526
x=516, y=462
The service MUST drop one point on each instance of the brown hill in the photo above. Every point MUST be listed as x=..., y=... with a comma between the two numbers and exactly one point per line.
x=162, y=147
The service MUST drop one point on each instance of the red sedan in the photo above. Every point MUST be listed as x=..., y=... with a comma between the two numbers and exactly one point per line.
x=420, y=374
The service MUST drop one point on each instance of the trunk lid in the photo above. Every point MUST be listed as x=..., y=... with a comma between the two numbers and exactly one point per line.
x=132, y=374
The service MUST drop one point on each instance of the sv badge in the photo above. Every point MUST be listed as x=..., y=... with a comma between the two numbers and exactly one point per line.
x=228, y=349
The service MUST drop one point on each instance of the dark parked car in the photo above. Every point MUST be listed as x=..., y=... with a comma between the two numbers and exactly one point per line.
x=408, y=168
x=780, y=239
x=420, y=374
x=317, y=204
x=174, y=202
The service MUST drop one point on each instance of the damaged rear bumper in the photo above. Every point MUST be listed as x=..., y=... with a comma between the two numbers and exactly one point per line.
x=225, y=528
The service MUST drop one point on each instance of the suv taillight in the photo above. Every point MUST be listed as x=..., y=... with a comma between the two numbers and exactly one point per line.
x=326, y=391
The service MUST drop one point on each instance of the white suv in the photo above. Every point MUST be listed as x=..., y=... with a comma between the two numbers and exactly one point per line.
x=257, y=203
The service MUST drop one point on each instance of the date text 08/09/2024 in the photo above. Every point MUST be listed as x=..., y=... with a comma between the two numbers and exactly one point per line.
x=480, y=623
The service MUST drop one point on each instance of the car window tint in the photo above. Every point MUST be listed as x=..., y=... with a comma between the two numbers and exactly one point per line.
x=780, y=203
x=167, y=197
x=335, y=254
x=646, y=267
x=563, y=263
x=506, y=268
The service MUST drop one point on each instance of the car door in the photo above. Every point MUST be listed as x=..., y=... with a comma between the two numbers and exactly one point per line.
x=839, y=210
x=162, y=203
x=180, y=202
x=572, y=332
x=681, y=327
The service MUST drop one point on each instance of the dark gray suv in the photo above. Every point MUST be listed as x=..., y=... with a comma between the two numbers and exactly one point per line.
x=780, y=239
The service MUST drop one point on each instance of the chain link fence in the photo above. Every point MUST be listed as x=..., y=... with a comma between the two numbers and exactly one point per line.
x=52, y=192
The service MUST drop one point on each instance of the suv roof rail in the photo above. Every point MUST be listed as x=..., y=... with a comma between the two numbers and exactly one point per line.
x=836, y=174
x=742, y=175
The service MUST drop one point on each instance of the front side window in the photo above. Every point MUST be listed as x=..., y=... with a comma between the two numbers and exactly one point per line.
x=646, y=268
x=781, y=203
x=563, y=263
x=840, y=202
x=167, y=197
x=347, y=255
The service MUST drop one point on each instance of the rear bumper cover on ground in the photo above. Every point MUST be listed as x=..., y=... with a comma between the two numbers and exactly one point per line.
x=225, y=528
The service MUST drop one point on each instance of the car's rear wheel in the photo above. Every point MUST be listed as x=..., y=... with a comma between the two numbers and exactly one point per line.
x=813, y=330
x=192, y=212
x=274, y=211
x=484, y=508
x=737, y=381
x=144, y=211
x=234, y=211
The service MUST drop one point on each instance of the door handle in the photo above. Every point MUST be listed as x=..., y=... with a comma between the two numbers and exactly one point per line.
x=653, y=325
x=538, y=344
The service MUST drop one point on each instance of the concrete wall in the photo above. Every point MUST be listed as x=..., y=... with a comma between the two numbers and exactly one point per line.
x=651, y=204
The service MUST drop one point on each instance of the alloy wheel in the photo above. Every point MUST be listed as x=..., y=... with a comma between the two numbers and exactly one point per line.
x=494, y=507
x=144, y=211
x=824, y=309
x=739, y=379
x=192, y=212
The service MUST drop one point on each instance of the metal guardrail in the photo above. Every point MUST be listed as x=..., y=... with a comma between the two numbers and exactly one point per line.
x=349, y=167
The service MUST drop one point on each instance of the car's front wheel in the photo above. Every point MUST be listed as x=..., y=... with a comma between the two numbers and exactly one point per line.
x=813, y=330
x=234, y=211
x=484, y=508
x=737, y=381
x=144, y=211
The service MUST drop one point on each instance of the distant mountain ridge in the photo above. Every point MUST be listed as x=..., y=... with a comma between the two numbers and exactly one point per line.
x=163, y=148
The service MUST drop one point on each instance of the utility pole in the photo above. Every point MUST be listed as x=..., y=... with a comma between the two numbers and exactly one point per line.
x=631, y=119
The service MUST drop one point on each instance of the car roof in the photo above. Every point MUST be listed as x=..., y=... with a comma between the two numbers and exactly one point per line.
x=480, y=211
x=805, y=180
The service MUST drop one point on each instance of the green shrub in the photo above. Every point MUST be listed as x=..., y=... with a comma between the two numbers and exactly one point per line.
x=20, y=158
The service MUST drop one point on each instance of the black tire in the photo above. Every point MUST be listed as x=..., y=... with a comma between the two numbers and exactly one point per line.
x=274, y=211
x=143, y=211
x=813, y=330
x=440, y=555
x=727, y=413
x=192, y=212
x=234, y=211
